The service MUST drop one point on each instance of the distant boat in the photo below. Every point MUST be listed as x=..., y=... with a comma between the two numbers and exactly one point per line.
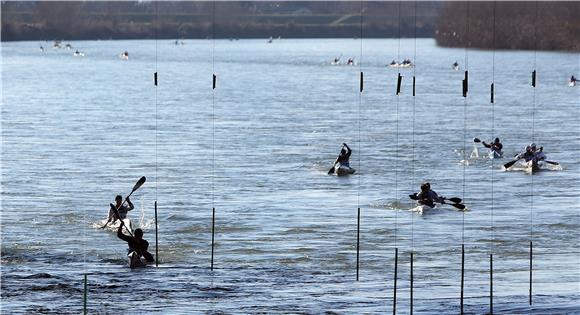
x=78, y=54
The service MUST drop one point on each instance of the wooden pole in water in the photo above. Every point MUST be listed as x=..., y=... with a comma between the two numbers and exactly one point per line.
x=212, y=235
x=491, y=283
x=85, y=296
x=531, y=255
x=462, y=274
x=395, y=281
x=156, y=239
x=357, y=243
x=411, y=287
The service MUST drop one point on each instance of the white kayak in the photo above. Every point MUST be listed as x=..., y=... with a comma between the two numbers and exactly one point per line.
x=572, y=83
x=534, y=166
x=422, y=209
x=135, y=260
x=343, y=170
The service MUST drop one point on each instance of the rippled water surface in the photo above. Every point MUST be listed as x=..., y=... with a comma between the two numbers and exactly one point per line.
x=76, y=131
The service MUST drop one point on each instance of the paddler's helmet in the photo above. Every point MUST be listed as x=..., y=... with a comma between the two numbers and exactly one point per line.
x=528, y=148
x=533, y=146
x=425, y=186
x=496, y=140
x=138, y=233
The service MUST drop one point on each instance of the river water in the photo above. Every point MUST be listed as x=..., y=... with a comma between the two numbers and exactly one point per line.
x=76, y=131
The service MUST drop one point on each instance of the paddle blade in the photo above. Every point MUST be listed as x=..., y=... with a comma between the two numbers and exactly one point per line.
x=476, y=140
x=509, y=164
x=331, y=171
x=553, y=163
x=414, y=197
x=458, y=206
x=139, y=183
x=455, y=200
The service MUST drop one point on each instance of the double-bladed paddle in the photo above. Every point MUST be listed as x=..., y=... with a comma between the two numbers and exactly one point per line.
x=511, y=163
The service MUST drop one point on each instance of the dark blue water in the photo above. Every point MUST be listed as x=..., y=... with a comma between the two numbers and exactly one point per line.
x=76, y=131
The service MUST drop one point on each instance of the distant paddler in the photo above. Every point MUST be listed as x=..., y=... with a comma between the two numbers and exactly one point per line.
x=573, y=81
x=121, y=210
x=532, y=155
x=495, y=148
x=341, y=165
x=455, y=65
x=124, y=55
x=428, y=197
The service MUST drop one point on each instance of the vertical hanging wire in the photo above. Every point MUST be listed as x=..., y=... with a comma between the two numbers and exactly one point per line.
x=413, y=147
x=156, y=101
x=492, y=100
x=213, y=135
x=156, y=53
x=359, y=140
x=396, y=187
x=533, y=141
x=465, y=157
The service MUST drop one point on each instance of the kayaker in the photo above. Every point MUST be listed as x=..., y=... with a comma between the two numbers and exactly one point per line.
x=344, y=156
x=427, y=196
x=136, y=243
x=121, y=208
x=573, y=79
x=527, y=155
x=539, y=154
x=496, y=146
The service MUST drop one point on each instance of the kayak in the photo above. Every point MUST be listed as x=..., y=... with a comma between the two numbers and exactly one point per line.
x=534, y=166
x=343, y=170
x=135, y=260
x=572, y=83
x=422, y=209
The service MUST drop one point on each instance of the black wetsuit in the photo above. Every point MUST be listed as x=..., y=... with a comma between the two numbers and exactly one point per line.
x=140, y=246
x=494, y=146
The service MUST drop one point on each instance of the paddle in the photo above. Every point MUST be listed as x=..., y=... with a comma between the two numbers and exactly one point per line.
x=510, y=164
x=331, y=170
x=116, y=212
x=137, y=185
x=476, y=140
x=455, y=200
